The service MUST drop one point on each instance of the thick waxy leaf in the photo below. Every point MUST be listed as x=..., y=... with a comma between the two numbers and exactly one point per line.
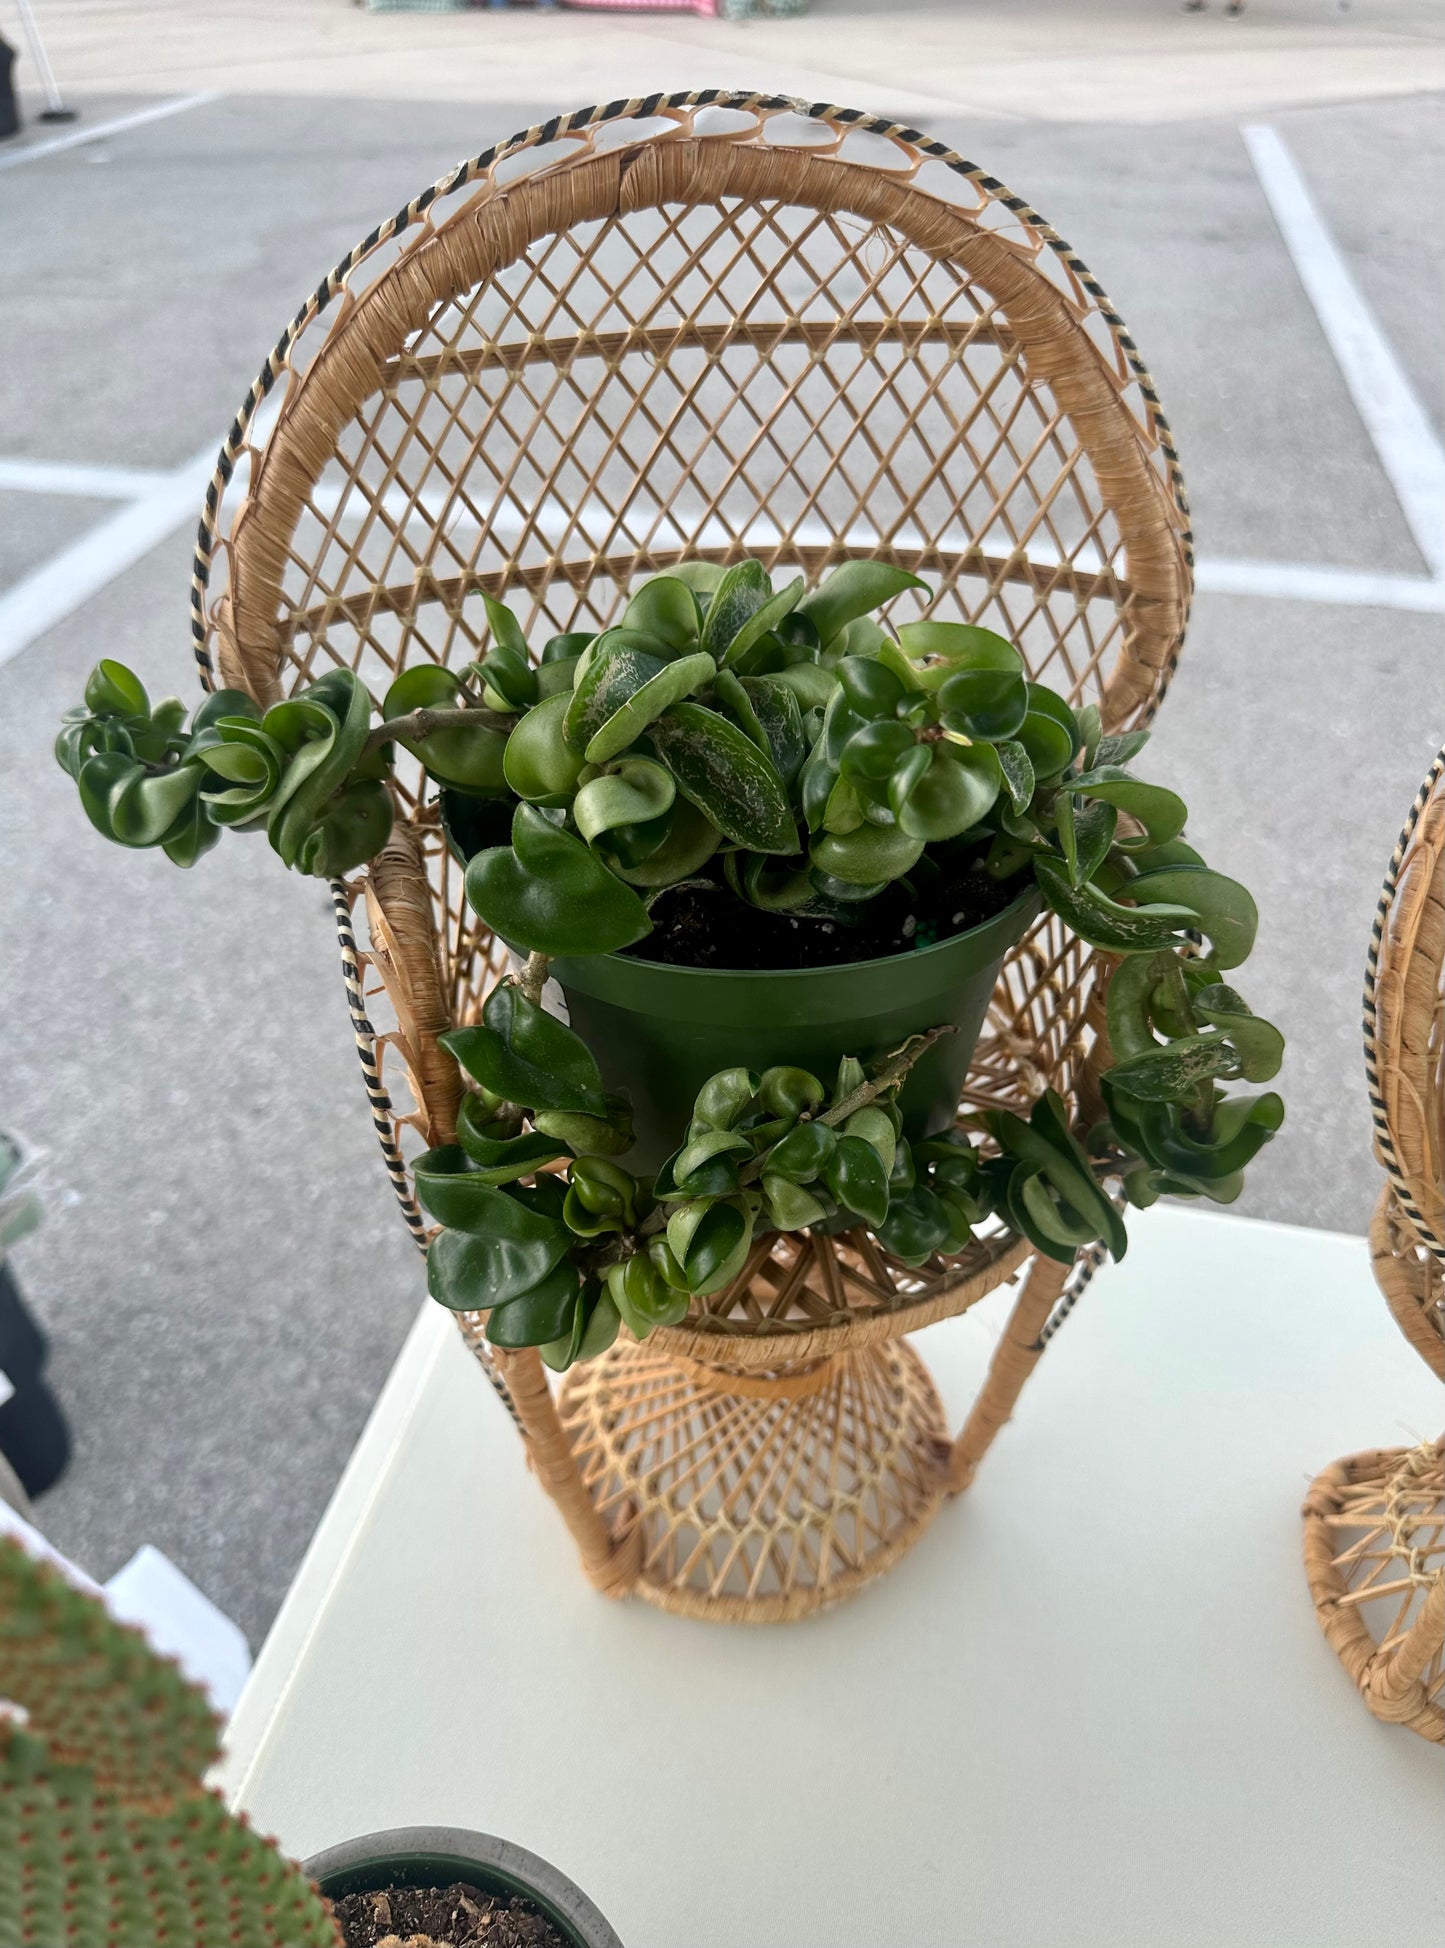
x=521, y=1053
x=874, y=752
x=985, y=694
x=505, y=628
x=958, y=646
x=508, y=679
x=857, y=1178
x=762, y=883
x=548, y=893
x=726, y=776
x=1162, y=813
x=634, y=790
x=874, y=1127
x=1173, y=1071
x=810, y=684
x=1120, y=747
x=777, y=713
x=1227, y=914
x=787, y=1091
x=671, y=683
x=872, y=853
x=322, y=731
x=539, y=764
x=190, y=836
x=643, y=1297
x=591, y=1136
x=702, y=577
x=1049, y=734
x=666, y=608
x=759, y=624
x=663, y=851
x=468, y=1272
x=710, y=1239
x=804, y=1153
x=703, y=1147
x=1104, y=922
x=743, y=590
x=539, y=1315
x=136, y=809
x=788, y=1206
x=1259, y=1042
x=1132, y=1001
x=870, y=690
x=723, y=1098
x=350, y=828
x=956, y=791
x=614, y=669
x=1085, y=833
x=917, y=1225
x=113, y=690
x=248, y=764
x=502, y=1159
x=1047, y=1146
x=853, y=590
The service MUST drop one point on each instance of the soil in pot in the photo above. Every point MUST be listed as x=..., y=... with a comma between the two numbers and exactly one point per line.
x=458, y=1916
x=704, y=925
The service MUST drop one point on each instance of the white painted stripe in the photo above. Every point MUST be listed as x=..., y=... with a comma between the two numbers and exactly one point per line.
x=1305, y=581
x=89, y=483
x=61, y=585
x=1409, y=447
x=161, y=112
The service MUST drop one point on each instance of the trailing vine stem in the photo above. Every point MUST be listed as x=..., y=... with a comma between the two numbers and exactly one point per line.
x=423, y=723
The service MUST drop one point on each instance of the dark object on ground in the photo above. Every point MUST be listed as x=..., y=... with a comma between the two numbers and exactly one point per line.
x=9, y=113
x=33, y=1435
x=709, y=926
x=460, y=1916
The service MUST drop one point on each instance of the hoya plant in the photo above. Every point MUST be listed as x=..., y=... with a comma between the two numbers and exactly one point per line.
x=766, y=754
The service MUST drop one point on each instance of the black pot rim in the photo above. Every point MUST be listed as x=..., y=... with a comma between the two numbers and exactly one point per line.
x=1030, y=896
x=393, y=1857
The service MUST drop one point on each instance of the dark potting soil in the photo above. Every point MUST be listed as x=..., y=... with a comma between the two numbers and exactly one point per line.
x=709, y=926
x=459, y=1916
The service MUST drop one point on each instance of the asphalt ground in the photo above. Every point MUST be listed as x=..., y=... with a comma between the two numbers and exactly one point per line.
x=222, y=1270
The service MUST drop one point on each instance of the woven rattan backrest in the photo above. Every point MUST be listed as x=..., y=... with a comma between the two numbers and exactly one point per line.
x=715, y=325
x=1405, y=1016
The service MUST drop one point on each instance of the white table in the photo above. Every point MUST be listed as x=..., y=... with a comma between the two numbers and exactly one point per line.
x=1093, y=1706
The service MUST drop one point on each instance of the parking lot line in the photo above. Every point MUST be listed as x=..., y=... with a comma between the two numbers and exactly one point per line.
x=159, y=112
x=75, y=478
x=1407, y=444
x=59, y=586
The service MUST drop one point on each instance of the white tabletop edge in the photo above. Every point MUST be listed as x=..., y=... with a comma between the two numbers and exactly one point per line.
x=283, y=1654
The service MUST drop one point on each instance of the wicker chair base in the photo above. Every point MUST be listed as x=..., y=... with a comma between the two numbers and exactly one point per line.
x=1374, y=1549
x=759, y=1499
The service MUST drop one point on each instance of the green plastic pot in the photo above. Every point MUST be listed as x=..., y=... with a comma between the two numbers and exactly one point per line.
x=435, y=1856
x=659, y=1032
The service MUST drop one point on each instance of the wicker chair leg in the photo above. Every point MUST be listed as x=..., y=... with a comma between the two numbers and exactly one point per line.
x=611, y=1563
x=1015, y=1358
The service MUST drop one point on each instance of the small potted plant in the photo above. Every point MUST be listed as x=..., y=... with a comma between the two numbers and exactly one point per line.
x=772, y=853
x=109, y=1839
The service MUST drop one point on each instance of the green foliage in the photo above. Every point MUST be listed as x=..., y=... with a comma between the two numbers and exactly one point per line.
x=781, y=747
x=301, y=769
x=107, y=1837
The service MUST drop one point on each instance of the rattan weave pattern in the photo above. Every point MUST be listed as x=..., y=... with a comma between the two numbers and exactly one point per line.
x=1374, y=1544
x=712, y=325
x=1404, y=1011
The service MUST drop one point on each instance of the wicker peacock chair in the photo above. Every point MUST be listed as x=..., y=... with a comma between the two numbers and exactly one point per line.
x=712, y=325
x=1375, y=1522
